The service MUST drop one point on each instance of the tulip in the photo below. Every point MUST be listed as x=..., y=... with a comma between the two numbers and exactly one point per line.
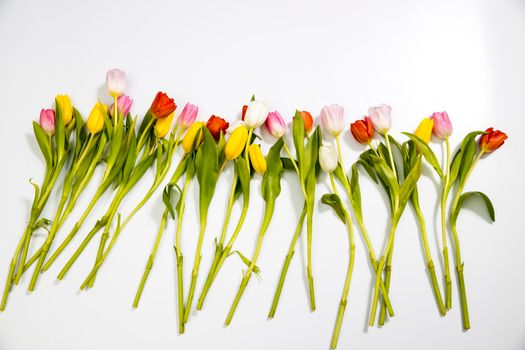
x=124, y=103
x=162, y=106
x=116, y=82
x=380, y=117
x=308, y=121
x=243, y=113
x=328, y=158
x=424, y=129
x=66, y=108
x=256, y=114
x=188, y=115
x=362, y=130
x=492, y=140
x=236, y=143
x=95, y=121
x=189, y=139
x=163, y=126
x=234, y=126
x=47, y=121
x=257, y=158
x=332, y=119
x=216, y=125
x=442, y=125
x=275, y=124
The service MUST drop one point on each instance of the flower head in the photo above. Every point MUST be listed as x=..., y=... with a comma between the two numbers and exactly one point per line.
x=492, y=140
x=163, y=126
x=216, y=125
x=424, y=129
x=124, y=103
x=66, y=108
x=362, y=130
x=188, y=115
x=333, y=119
x=189, y=141
x=236, y=142
x=328, y=158
x=95, y=121
x=47, y=121
x=380, y=116
x=116, y=82
x=162, y=106
x=256, y=114
x=308, y=121
x=275, y=124
x=257, y=158
x=442, y=125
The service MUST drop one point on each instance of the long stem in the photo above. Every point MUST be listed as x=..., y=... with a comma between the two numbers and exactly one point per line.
x=309, y=233
x=443, y=205
x=388, y=272
x=178, y=253
x=287, y=260
x=151, y=259
x=294, y=163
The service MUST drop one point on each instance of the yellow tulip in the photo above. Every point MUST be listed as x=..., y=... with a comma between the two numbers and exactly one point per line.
x=95, y=121
x=189, y=138
x=162, y=126
x=424, y=130
x=66, y=108
x=257, y=159
x=236, y=143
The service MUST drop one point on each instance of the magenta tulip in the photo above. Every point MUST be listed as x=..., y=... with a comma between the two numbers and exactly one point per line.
x=47, y=121
x=124, y=103
x=275, y=124
x=442, y=125
x=188, y=115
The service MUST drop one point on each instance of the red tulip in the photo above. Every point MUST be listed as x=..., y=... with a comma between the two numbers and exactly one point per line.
x=308, y=121
x=362, y=130
x=162, y=106
x=244, y=109
x=216, y=126
x=492, y=140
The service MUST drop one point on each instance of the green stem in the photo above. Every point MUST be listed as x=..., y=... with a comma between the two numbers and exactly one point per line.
x=151, y=259
x=392, y=163
x=287, y=260
x=178, y=253
x=388, y=272
x=443, y=206
x=294, y=163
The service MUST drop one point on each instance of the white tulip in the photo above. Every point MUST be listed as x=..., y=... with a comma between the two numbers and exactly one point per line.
x=328, y=158
x=255, y=114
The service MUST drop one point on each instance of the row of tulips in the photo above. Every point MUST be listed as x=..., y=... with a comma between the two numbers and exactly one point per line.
x=110, y=138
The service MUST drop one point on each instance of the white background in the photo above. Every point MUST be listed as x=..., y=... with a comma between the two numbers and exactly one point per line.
x=466, y=57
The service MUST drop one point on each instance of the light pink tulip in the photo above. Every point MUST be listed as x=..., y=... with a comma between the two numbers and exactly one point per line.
x=380, y=116
x=188, y=115
x=124, y=103
x=47, y=121
x=116, y=82
x=333, y=119
x=442, y=125
x=275, y=124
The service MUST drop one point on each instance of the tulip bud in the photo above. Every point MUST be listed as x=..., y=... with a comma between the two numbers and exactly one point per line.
x=95, y=121
x=47, y=121
x=275, y=124
x=255, y=114
x=162, y=106
x=163, y=126
x=189, y=139
x=257, y=158
x=424, y=129
x=188, y=115
x=308, y=121
x=116, y=82
x=66, y=108
x=362, y=130
x=236, y=143
x=216, y=125
x=124, y=103
x=328, y=158
x=442, y=125
x=333, y=119
x=492, y=140
x=380, y=117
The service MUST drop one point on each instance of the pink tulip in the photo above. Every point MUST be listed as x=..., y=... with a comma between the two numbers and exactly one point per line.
x=47, y=121
x=275, y=124
x=116, y=82
x=380, y=116
x=442, y=125
x=333, y=119
x=188, y=115
x=124, y=103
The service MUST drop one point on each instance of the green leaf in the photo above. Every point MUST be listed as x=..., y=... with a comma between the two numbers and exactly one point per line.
x=333, y=200
x=207, y=169
x=115, y=145
x=60, y=135
x=355, y=190
x=167, y=196
x=246, y=261
x=386, y=174
x=287, y=164
x=408, y=185
x=139, y=171
x=467, y=195
x=271, y=183
x=455, y=166
x=468, y=150
x=181, y=169
x=44, y=143
x=130, y=158
x=311, y=154
x=298, y=137
x=427, y=152
x=80, y=132
x=369, y=170
x=244, y=177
